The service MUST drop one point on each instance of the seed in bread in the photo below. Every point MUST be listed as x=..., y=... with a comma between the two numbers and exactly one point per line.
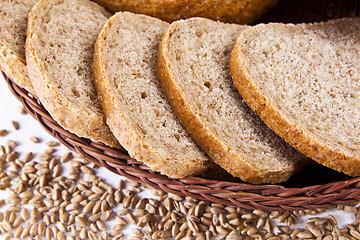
x=194, y=72
x=13, y=23
x=303, y=81
x=59, y=51
x=134, y=104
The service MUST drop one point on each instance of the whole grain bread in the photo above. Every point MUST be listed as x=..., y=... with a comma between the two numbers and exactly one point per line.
x=13, y=23
x=238, y=11
x=303, y=81
x=59, y=51
x=134, y=104
x=194, y=72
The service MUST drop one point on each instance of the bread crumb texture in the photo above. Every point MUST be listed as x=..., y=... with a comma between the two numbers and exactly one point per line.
x=13, y=21
x=305, y=82
x=135, y=105
x=60, y=48
x=195, y=57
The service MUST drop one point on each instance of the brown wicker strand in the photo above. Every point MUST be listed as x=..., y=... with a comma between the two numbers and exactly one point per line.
x=249, y=196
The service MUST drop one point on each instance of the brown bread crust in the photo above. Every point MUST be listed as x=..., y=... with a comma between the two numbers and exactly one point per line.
x=239, y=11
x=12, y=60
x=68, y=114
x=123, y=128
x=297, y=136
x=216, y=148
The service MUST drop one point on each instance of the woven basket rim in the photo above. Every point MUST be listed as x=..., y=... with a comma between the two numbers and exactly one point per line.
x=269, y=197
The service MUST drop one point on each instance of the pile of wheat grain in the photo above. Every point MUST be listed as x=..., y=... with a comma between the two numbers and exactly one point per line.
x=61, y=197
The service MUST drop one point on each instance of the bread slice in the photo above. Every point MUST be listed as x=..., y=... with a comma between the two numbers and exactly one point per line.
x=59, y=52
x=13, y=23
x=303, y=81
x=134, y=104
x=194, y=71
x=238, y=11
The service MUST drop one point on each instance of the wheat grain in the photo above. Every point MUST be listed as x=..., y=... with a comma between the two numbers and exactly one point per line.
x=18, y=232
x=34, y=139
x=3, y=132
x=82, y=200
x=15, y=125
x=21, y=110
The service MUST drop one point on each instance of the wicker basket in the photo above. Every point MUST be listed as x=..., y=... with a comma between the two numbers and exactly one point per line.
x=314, y=187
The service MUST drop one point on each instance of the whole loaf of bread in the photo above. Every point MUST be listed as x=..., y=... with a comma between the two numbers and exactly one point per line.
x=237, y=11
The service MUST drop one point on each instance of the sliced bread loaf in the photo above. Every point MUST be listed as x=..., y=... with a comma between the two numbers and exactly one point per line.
x=194, y=72
x=134, y=104
x=303, y=81
x=59, y=52
x=13, y=23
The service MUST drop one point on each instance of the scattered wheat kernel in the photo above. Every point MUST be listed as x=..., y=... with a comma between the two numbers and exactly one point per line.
x=355, y=233
x=66, y=157
x=2, y=151
x=101, y=225
x=41, y=228
x=119, y=236
x=34, y=139
x=50, y=151
x=180, y=235
x=27, y=157
x=94, y=228
x=8, y=236
x=18, y=232
x=15, y=125
x=121, y=220
x=333, y=219
x=52, y=144
x=80, y=221
x=117, y=227
x=107, y=215
x=21, y=110
x=48, y=233
x=25, y=232
x=71, y=219
x=12, y=156
x=11, y=143
x=14, y=208
x=61, y=235
x=3, y=132
x=350, y=209
x=25, y=214
x=175, y=197
x=95, y=217
x=12, y=217
x=34, y=229
x=18, y=221
x=202, y=236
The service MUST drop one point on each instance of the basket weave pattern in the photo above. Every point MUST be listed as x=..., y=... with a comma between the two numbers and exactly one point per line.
x=265, y=197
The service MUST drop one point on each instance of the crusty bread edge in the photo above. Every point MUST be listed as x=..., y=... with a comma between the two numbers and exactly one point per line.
x=123, y=131
x=241, y=12
x=59, y=108
x=302, y=140
x=15, y=69
x=216, y=149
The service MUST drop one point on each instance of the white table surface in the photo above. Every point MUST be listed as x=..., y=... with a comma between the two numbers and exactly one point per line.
x=30, y=127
